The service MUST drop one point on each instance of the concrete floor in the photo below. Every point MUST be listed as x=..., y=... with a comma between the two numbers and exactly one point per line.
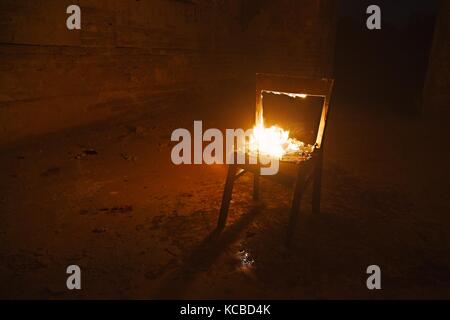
x=108, y=198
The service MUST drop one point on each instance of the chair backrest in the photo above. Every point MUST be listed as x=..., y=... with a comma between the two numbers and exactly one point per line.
x=295, y=85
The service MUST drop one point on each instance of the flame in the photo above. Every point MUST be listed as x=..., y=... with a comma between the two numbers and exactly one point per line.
x=289, y=94
x=273, y=142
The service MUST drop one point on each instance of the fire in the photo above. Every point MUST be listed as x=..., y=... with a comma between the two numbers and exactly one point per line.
x=289, y=94
x=273, y=142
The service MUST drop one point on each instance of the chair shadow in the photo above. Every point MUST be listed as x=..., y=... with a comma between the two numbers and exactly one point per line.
x=203, y=256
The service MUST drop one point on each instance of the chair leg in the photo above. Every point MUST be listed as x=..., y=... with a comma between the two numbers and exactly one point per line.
x=256, y=186
x=226, y=198
x=295, y=207
x=317, y=186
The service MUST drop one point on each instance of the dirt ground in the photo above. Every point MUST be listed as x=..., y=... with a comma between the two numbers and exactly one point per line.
x=107, y=198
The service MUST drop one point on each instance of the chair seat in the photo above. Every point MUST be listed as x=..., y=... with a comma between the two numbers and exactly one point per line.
x=288, y=169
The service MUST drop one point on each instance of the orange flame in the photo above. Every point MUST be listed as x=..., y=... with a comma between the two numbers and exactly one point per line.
x=273, y=142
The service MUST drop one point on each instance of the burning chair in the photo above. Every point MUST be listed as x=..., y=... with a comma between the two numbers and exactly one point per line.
x=299, y=164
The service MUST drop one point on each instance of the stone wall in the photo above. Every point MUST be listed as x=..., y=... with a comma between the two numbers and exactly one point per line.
x=131, y=53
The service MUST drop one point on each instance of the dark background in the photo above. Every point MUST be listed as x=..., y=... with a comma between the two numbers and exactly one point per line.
x=384, y=68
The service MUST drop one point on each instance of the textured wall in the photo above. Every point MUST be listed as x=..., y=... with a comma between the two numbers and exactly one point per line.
x=437, y=92
x=131, y=53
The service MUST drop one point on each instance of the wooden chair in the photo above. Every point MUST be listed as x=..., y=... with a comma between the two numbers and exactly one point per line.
x=298, y=174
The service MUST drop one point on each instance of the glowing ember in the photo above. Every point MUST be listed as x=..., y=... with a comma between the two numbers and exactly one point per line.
x=292, y=95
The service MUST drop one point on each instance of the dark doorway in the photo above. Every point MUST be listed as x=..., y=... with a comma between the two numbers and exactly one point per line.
x=387, y=67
